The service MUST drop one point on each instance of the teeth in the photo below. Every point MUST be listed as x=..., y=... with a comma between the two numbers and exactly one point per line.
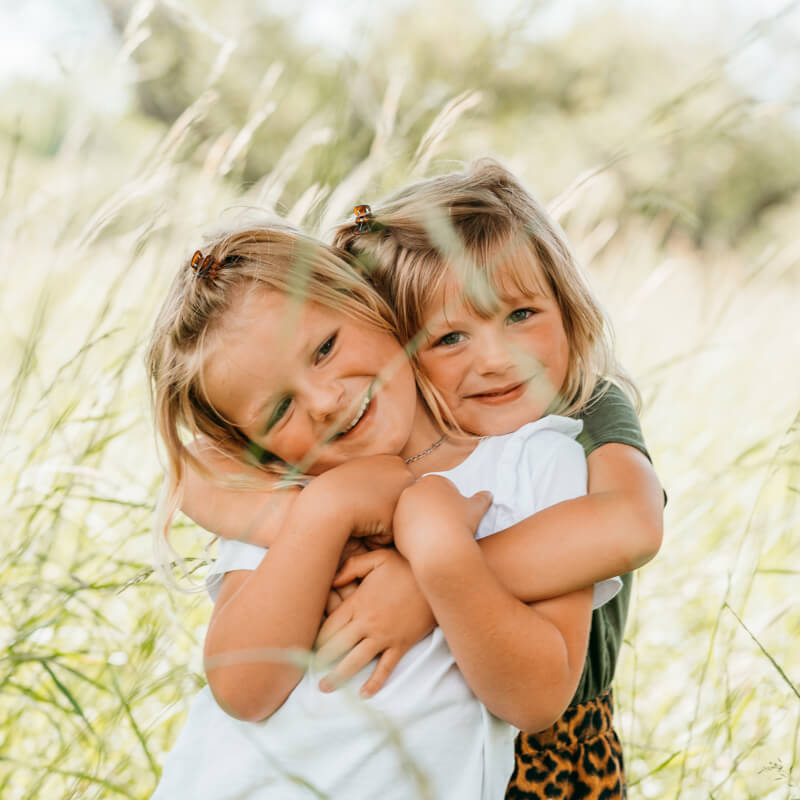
x=364, y=405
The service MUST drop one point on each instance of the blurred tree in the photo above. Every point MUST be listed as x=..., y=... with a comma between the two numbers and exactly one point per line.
x=662, y=117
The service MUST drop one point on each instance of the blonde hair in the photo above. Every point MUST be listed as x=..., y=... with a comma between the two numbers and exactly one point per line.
x=272, y=257
x=473, y=221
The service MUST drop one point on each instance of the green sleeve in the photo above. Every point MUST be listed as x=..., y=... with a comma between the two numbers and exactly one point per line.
x=610, y=418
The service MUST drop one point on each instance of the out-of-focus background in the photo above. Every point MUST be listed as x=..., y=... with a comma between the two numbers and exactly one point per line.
x=664, y=137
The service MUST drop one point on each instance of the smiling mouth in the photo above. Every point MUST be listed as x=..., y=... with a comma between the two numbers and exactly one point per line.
x=504, y=394
x=360, y=413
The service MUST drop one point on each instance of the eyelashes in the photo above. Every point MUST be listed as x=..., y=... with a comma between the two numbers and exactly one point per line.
x=520, y=314
x=452, y=338
x=449, y=339
x=284, y=404
x=325, y=348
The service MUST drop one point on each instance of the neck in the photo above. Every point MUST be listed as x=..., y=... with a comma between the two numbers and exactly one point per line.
x=424, y=433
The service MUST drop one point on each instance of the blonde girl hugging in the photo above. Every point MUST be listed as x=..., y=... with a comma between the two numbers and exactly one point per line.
x=502, y=329
x=271, y=343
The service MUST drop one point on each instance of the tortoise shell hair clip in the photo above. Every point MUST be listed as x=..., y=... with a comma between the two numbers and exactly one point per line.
x=364, y=221
x=363, y=215
x=205, y=266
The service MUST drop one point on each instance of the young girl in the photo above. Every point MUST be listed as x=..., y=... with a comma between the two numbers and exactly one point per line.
x=490, y=220
x=503, y=329
x=226, y=363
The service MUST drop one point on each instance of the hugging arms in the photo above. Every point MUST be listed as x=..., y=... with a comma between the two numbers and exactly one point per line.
x=388, y=613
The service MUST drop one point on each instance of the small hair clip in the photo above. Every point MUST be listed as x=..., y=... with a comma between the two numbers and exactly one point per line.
x=207, y=267
x=363, y=218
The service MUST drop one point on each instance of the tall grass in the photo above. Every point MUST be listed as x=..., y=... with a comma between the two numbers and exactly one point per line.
x=100, y=660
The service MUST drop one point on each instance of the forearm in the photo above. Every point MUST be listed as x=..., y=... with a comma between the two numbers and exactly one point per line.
x=276, y=609
x=253, y=513
x=521, y=665
x=612, y=530
x=566, y=547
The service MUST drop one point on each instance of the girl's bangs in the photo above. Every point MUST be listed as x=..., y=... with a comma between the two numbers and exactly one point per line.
x=517, y=271
x=502, y=274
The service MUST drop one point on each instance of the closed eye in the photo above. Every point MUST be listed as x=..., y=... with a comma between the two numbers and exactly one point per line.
x=520, y=315
x=454, y=337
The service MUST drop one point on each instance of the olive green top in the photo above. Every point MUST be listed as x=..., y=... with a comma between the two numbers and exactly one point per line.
x=609, y=418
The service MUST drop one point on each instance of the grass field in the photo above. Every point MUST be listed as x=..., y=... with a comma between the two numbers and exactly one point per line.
x=100, y=660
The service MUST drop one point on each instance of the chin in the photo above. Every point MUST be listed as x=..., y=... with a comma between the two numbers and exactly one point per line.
x=498, y=424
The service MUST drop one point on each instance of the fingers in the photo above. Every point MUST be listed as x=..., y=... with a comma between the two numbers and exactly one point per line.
x=347, y=590
x=480, y=502
x=386, y=664
x=346, y=638
x=335, y=599
x=355, y=660
x=340, y=617
x=356, y=567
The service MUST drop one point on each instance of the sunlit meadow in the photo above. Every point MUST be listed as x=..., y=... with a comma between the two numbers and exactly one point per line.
x=679, y=192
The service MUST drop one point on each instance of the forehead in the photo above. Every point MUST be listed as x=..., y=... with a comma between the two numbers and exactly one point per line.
x=504, y=276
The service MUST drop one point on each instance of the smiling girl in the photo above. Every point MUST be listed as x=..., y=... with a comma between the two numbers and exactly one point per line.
x=503, y=329
x=271, y=343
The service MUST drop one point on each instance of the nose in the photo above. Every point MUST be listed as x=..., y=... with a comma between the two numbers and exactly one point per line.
x=493, y=355
x=325, y=400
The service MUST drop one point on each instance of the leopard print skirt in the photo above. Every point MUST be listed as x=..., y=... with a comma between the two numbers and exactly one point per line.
x=579, y=757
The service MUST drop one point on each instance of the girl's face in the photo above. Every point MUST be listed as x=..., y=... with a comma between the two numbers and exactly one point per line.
x=309, y=384
x=500, y=372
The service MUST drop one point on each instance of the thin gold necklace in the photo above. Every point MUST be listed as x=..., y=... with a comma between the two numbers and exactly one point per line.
x=425, y=452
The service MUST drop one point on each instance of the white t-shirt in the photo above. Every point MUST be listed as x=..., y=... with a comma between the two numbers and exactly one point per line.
x=424, y=734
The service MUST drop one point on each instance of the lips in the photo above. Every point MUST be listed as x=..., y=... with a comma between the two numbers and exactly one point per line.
x=361, y=413
x=499, y=395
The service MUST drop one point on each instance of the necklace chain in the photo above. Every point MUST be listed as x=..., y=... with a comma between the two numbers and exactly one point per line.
x=425, y=452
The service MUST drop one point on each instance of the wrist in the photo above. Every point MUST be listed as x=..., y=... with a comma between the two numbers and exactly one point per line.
x=319, y=507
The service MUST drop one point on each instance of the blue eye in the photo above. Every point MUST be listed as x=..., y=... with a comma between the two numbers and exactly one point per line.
x=279, y=412
x=520, y=314
x=325, y=348
x=449, y=339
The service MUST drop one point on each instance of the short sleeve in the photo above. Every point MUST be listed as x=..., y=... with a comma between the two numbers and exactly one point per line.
x=610, y=418
x=232, y=555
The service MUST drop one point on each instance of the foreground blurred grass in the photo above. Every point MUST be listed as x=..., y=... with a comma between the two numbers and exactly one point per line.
x=100, y=660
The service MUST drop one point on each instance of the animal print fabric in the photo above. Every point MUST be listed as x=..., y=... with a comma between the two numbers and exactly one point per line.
x=578, y=758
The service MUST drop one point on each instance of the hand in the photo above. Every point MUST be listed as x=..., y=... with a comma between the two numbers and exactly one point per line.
x=353, y=547
x=432, y=510
x=338, y=595
x=366, y=491
x=386, y=615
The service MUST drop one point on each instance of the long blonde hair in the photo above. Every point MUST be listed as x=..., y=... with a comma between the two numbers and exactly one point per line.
x=271, y=257
x=474, y=220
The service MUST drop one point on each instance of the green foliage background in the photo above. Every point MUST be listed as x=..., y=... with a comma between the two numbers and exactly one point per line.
x=679, y=190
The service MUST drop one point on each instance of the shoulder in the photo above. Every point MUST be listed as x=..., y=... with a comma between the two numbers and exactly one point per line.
x=610, y=417
x=550, y=464
x=542, y=447
x=552, y=432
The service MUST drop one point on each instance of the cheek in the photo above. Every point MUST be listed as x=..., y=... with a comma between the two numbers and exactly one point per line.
x=443, y=374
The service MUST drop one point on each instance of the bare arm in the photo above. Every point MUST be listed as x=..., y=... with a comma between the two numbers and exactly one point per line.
x=279, y=606
x=614, y=529
x=523, y=662
x=575, y=543
x=254, y=514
